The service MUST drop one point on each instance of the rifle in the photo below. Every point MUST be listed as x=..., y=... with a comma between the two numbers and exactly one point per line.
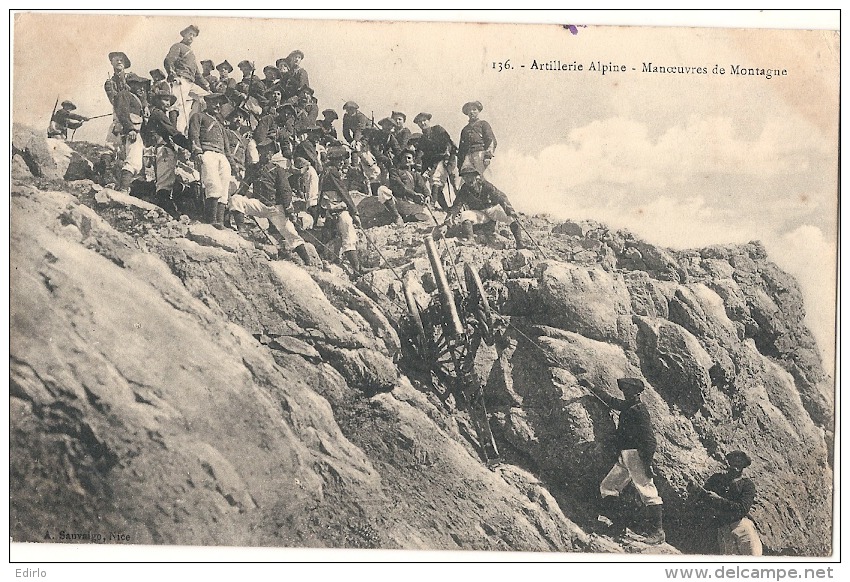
x=50, y=123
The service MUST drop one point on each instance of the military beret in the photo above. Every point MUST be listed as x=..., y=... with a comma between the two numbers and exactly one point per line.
x=165, y=97
x=468, y=169
x=215, y=97
x=469, y=105
x=224, y=66
x=399, y=114
x=156, y=74
x=631, y=383
x=350, y=105
x=192, y=28
x=271, y=69
x=69, y=105
x=739, y=458
x=386, y=122
x=205, y=61
x=136, y=79
x=295, y=53
x=282, y=60
x=421, y=116
x=246, y=64
x=120, y=55
x=330, y=114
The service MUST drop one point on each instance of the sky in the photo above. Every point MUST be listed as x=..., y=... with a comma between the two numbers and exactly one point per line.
x=682, y=160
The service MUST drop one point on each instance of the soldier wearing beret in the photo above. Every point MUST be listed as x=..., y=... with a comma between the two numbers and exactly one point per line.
x=354, y=122
x=635, y=441
x=477, y=141
x=184, y=74
x=439, y=159
x=271, y=198
x=337, y=206
x=484, y=204
x=728, y=497
x=402, y=134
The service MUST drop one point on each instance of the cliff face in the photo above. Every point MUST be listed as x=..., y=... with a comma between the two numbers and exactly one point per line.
x=186, y=386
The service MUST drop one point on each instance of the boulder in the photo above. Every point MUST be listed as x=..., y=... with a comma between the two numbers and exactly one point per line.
x=586, y=300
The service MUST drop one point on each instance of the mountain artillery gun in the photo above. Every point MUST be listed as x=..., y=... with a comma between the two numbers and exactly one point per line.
x=443, y=337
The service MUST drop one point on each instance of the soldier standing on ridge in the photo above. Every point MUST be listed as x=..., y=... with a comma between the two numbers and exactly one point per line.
x=338, y=207
x=729, y=497
x=187, y=82
x=114, y=85
x=439, y=158
x=131, y=108
x=210, y=144
x=477, y=141
x=636, y=445
x=161, y=133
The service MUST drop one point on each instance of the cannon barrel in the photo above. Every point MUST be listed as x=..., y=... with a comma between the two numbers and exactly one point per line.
x=446, y=294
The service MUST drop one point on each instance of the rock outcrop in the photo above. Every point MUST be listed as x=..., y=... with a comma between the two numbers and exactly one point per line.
x=189, y=386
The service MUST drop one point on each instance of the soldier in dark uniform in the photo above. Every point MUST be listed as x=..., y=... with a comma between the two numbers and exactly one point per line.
x=271, y=198
x=65, y=119
x=272, y=76
x=306, y=110
x=635, y=441
x=296, y=77
x=353, y=122
x=327, y=126
x=225, y=82
x=384, y=144
x=161, y=133
x=160, y=84
x=114, y=85
x=728, y=497
x=207, y=73
x=477, y=142
x=485, y=204
x=439, y=159
x=337, y=206
x=402, y=134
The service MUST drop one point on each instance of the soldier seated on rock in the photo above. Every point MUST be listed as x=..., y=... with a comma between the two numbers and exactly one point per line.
x=728, y=497
x=271, y=198
x=485, y=204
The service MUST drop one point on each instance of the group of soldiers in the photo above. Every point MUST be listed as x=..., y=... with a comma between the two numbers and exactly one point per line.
x=258, y=148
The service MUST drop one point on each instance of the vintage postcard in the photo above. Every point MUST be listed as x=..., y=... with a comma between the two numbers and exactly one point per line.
x=565, y=289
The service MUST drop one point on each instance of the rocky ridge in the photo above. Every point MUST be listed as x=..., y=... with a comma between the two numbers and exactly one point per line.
x=193, y=387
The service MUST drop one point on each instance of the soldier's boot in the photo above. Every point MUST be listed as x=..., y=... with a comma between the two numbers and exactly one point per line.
x=125, y=181
x=394, y=215
x=164, y=201
x=611, y=508
x=210, y=207
x=354, y=260
x=656, y=533
x=515, y=230
x=238, y=220
x=301, y=251
x=466, y=229
x=219, y=215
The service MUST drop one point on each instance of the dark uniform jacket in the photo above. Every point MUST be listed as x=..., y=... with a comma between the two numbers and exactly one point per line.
x=634, y=430
x=208, y=133
x=488, y=197
x=181, y=61
x=160, y=130
x=130, y=111
x=402, y=136
x=477, y=136
x=353, y=126
x=63, y=120
x=408, y=184
x=270, y=184
x=114, y=85
x=293, y=81
x=333, y=190
x=738, y=497
x=384, y=147
x=435, y=144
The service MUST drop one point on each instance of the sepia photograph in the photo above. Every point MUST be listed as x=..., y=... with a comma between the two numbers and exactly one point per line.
x=378, y=284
